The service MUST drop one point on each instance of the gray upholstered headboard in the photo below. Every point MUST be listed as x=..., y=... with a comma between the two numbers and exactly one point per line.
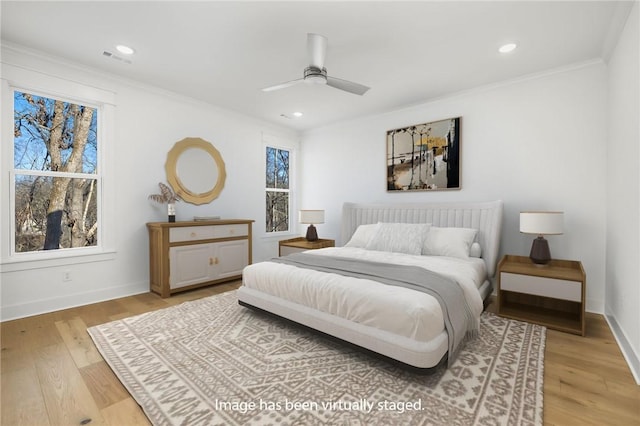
x=486, y=217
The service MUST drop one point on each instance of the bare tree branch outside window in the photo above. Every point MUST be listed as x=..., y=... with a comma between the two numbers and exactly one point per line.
x=55, y=169
x=277, y=190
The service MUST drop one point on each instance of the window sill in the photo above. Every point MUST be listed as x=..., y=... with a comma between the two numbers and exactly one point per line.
x=40, y=261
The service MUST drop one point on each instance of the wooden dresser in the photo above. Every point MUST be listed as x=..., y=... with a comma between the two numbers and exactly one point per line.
x=186, y=255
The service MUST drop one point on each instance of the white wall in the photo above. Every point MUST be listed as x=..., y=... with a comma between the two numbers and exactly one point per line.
x=148, y=122
x=536, y=143
x=623, y=200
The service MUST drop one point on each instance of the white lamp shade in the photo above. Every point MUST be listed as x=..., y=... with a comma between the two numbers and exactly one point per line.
x=541, y=223
x=312, y=216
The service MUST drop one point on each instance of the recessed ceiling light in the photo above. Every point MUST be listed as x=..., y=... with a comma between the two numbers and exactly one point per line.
x=294, y=114
x=125, y=50
x=506, y=48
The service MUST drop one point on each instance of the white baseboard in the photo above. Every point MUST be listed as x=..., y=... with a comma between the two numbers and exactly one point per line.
x=632, y=358
x=44, y=306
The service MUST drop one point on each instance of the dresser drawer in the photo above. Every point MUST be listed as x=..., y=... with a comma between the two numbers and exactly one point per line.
x=194, y=233
x=540, y=286
x=191, y=233
x=233, y=230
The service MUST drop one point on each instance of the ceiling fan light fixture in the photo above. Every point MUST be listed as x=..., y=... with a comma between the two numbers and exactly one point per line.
x=316, y=79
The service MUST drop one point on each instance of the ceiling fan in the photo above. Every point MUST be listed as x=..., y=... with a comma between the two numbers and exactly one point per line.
x=316, y=73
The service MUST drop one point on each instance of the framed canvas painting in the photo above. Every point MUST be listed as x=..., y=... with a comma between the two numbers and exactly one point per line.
x=424, y=157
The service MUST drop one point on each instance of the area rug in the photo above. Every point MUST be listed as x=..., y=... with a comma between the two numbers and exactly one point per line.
x=211, y=361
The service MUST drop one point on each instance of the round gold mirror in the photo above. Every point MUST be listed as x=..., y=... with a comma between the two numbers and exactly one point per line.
x=195, y=170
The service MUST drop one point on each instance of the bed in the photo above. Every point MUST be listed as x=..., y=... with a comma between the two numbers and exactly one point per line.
x=450, y=246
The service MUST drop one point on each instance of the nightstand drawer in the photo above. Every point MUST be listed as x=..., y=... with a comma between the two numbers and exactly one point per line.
x=541, y=286
x=286, y=250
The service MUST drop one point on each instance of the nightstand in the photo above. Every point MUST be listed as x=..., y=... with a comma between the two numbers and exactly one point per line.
x=552, y=295
x=295, y=245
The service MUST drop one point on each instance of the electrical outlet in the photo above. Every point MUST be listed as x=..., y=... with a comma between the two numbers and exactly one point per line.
x=66, y=275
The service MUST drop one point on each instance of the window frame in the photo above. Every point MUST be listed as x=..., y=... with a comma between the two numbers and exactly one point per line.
x=20, y=80
x=28, y=172
x=275, y=143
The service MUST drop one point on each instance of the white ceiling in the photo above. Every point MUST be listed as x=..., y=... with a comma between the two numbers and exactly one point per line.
x=407, y=52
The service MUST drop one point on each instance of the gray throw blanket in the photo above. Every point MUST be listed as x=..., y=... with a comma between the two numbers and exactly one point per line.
x=458, y=319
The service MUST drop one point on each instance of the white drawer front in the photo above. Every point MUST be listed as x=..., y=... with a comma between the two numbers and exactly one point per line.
x=539, y=286
x=236, y=230
x=191, y=233
x=286, y=250
x=194, y=233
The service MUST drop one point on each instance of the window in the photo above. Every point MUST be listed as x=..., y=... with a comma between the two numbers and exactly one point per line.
x=55, y=177
x=278, y=200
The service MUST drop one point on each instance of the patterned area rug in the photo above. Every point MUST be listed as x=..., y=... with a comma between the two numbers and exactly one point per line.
x=212, y=361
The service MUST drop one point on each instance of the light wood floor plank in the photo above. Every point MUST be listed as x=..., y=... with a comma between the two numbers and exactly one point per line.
x=22, y=400
x=586, y=380
x=78, y=342
x=15, y=355
x=125, y=412
x=66, y=396
x=99, y=313
x=103, y=384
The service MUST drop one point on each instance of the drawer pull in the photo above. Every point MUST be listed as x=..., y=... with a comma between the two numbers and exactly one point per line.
x=211, y=261
x=193, y=235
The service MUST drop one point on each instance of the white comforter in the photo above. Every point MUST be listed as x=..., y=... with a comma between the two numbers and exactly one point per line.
x=398, y=310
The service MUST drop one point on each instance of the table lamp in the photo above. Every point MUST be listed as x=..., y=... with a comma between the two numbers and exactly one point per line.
x=310, y=217
x=541, y=223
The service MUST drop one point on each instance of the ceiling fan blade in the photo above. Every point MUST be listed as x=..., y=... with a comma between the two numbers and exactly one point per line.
x=317, y=48
x=347, y=86
x=283, y=85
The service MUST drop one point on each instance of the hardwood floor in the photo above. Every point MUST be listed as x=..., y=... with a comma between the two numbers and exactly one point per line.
x=52, y=373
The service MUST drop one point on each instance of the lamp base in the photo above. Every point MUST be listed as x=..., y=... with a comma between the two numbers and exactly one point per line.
x=540, y=253
x=312, y=234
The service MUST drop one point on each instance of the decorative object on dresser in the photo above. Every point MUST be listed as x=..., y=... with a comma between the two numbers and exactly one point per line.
x=553, y=296
x=186, y=255
x=311, y=217
x=424, y=157
x=298, y=244
x=541, y=223
x=195, y=170
x=169, y=197
x=204, y=218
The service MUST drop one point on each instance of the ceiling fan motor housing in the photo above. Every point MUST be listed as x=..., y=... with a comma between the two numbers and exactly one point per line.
x=315, y=75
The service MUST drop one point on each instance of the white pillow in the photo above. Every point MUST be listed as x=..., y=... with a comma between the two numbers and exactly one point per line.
x=363, y=234
x=454, y=242
x=475, y=250
x=399, y=237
